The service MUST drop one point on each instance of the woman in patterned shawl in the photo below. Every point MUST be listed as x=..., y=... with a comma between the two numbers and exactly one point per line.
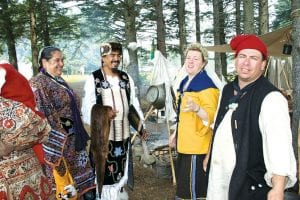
x=68, y=138
x=21, y=175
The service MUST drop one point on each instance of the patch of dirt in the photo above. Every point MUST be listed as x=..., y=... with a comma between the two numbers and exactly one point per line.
x=147, y=186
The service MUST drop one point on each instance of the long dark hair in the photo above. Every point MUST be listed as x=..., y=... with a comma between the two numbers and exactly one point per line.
x=47, y=53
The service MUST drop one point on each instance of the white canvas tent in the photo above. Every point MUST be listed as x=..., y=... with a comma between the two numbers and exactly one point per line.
x=280, y=73
x=274, y=41
x=161, y=75
x=279, y=69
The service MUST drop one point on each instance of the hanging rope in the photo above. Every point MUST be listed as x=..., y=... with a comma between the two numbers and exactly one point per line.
x=295, y=13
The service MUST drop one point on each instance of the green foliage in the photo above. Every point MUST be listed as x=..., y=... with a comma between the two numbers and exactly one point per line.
x=230, y=77
x=59, y=25
x=103, y=20
x=283, y=11
x=1, y=47
x=53, y=20
x=19, y=22
x=13, y=13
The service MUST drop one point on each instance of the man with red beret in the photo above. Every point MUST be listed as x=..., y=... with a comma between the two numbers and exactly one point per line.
x=251, y=153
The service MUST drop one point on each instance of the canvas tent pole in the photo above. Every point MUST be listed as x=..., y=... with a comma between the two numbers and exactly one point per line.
x=267, y=67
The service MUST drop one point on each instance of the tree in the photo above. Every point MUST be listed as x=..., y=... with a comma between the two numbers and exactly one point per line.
x=26, y=20
x=263, y=17
x=295, y=14
x=197, y=21
x=130, y=14
x=182, y=28
x=49, y=25
x=282, y=12
x=6, y=22
x=219, y=36
x=160, y=27
x=238, y=18
x=44, y=22
x=104, y=14
x=33, y=36
x=118, y=22
x=248, y=16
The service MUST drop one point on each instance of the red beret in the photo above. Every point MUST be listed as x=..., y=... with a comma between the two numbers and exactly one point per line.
x=248, y=41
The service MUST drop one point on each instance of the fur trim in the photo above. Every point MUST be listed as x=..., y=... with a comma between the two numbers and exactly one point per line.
x=123, y=195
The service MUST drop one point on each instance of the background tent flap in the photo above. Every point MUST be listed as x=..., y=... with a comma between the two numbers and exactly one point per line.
x=274, y=41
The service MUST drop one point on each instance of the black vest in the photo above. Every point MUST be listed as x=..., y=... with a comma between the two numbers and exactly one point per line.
x=99, y=84
x=247, y=180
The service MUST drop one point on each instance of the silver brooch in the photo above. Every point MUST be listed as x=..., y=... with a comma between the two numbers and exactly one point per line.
x=122, y=84
x=125, y=77
x=233, y=106
x=105, y=84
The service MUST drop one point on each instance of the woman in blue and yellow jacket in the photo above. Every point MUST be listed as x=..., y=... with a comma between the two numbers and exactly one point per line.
x=196, y=106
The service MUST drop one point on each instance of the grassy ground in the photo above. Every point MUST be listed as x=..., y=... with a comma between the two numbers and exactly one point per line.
x=76, y=82
x=74, y=78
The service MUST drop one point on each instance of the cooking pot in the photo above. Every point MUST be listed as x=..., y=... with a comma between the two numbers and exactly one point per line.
x=156, y=96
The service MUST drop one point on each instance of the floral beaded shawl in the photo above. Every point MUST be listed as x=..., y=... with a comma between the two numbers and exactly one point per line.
x=21, y=175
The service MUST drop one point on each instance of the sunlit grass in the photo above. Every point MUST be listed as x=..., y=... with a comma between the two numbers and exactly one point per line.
x=74, y=78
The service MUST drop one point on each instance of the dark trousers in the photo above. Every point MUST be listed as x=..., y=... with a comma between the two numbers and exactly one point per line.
x=190, y=176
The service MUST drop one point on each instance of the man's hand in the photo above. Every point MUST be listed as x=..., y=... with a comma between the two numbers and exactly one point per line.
x=172, y=140
x=275, y=194
x=112, y=114
x=144, y=135
x=5, y=149
x=277, y=191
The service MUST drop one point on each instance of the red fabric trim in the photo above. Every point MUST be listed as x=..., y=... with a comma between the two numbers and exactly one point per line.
x=46, y=188
x=3, y=195
x=39, y=152
x=28, y=193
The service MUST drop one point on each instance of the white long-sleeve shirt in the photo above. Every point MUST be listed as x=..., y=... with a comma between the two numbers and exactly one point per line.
x=279, y=158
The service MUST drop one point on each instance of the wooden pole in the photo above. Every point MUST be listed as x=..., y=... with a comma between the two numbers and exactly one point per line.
x=171, y=157
x=141, y=123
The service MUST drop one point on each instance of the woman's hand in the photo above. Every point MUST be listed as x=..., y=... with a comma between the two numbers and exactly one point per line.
x=205, y=162
x=191, y=106
x=5, y=149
